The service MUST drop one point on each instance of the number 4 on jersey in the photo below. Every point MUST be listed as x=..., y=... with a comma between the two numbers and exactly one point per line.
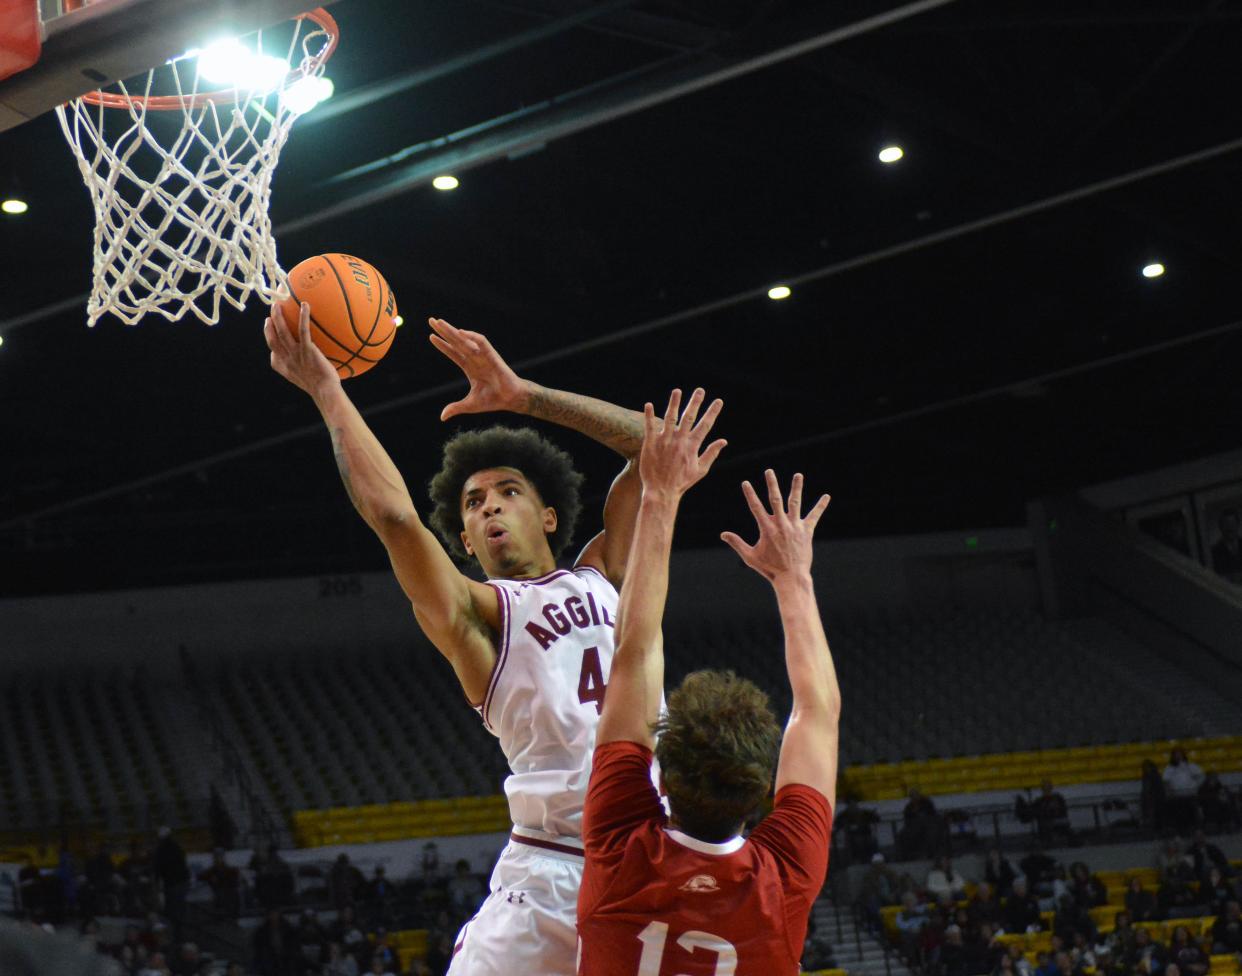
x=591, y=686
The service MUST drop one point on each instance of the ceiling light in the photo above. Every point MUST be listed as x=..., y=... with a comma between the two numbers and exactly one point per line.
x=398, y=321
x=890, y=154
x=1153, y=270
x=445, y=182
x=1, y=340
x=14, y=206
x=231, y=63
x=305, y=93
x=777, y=292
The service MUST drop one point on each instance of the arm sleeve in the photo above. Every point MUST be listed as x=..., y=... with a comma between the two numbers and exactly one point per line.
x=797, y=834
x=620, y=797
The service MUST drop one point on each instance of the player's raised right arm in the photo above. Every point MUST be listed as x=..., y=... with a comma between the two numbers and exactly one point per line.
x=783, y=557
x=450, y=607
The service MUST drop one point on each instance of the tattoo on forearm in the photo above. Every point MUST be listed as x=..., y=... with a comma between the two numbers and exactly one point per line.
x=342, y=462
x=612, y=426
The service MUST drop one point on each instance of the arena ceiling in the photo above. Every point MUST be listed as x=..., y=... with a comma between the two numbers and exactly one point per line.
x=968, y=328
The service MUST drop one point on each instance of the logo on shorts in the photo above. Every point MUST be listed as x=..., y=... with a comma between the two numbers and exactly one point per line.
x=700, y=883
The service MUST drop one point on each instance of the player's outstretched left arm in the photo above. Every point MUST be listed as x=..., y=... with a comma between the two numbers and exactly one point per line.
x=495, y=387
x=782, y=556
x=671, y=462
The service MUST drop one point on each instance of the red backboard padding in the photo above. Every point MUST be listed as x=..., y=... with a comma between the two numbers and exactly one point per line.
x=20, y=41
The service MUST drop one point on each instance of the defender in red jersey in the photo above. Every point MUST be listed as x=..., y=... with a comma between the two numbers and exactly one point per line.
x=686, y=894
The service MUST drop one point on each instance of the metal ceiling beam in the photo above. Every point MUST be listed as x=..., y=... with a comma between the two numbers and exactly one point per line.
x=458, y=154
x=629, y=25
x=407, y=80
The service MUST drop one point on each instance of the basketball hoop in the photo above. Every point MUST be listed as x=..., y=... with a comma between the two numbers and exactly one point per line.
x=181, y=202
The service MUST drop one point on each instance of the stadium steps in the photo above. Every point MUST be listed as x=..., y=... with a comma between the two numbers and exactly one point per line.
x=859, y=952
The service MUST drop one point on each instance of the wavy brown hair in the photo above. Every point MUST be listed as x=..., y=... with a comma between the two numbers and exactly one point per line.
x=717, y=749
x=549, y=469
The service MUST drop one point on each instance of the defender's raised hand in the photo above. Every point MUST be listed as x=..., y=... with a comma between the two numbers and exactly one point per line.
x=493, y=385
x=297, y=358
x=671, y=461
x=784, y=544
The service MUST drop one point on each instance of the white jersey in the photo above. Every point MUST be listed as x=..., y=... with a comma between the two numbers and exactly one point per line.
x=554, y=655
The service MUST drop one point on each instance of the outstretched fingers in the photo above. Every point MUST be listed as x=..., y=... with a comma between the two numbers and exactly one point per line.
x=794, y=505
x=691, y=412
x=707, y=421
x=814, y=515
x=708, y=457
x=753, y=502
x=734, y=542
x=774, y=491
x=672, y=411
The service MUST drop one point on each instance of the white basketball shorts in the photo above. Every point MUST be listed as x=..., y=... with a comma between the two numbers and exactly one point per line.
x=527, y=926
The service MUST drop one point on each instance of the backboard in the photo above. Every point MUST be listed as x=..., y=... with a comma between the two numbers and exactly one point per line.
x=55, y=50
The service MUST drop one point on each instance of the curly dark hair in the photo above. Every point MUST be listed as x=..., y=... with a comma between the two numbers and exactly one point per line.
x=717, y=749
x=549, y=469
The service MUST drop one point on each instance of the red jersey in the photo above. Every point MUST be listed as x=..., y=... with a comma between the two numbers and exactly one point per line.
x=656, y=902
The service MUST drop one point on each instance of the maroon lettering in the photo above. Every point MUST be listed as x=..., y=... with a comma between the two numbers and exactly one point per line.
x=594, y=611
x=607, y=619
x=577, y=612
x=546, y=638
x=591, y=686
x=553, y=615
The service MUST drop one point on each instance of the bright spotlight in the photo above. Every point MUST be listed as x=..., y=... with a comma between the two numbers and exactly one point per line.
x=14, y=206
x=1153, y=270
x=399, y=321
x=305, y=93
x=445, y=182
x=890, y=154
x=231, y=63
x=777, y=292
x=1, y=340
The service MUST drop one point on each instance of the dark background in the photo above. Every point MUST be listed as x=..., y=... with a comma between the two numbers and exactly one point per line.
x=940, y=388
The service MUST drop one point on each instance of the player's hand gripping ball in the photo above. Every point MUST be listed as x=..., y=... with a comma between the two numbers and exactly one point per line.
x=353, y=314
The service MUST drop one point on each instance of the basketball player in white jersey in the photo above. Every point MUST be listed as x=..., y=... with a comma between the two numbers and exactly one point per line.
x=532, y=646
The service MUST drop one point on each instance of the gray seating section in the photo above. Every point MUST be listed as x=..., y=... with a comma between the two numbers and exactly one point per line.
x=351, y=727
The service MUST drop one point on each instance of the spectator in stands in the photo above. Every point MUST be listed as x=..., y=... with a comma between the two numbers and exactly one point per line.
x=139, y=878
x=225, y=883
x=1216, y=892
x=273, y=878
x=1021, y=910
x=1175, y=862
x=339, y=962
x=1088, y=890
x=173, y=873
x=276, y=947
x=910, y=922
x=223, y=830
x=312, y=941
x=1151, y=798
x=384, y=952
x=1182, y=780
x=1178, y=898
x=880, y=886
x=949, y=958
x=1205, y=856
x=347, y=932
x=984, y=907
x=1186, y=954
x=380, y=968
x=1146, y=957
x=103, y=885
x=155, y=966
x=999, y=873
x=431, y=861
x=187, y=961
x=943, y=881
x=440, y=954
x=1051, y=814
x=1040, y=871
x=379, y=895
x=67, y=875
x=344, y=882
x=1227, y=930
x=465, y=890
x=923, y=831
x=1227, y=553
x=1072, y=919
x=1216, y=802
x=1140, y=903
x=856, y=825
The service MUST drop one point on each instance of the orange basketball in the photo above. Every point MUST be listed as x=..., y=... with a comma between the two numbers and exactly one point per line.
x=353, y=314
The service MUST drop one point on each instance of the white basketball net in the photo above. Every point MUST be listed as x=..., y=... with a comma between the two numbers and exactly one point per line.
x=181, y=197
